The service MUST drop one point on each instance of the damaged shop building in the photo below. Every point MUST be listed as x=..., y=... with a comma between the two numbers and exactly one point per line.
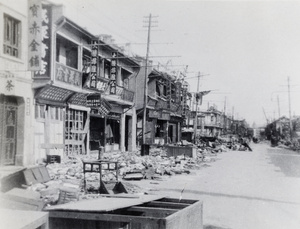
x=166, y=98
x=83, y=96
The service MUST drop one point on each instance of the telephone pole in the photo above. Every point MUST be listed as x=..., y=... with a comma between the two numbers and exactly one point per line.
x=146, y=88
x=196, y=115
x=224, y=117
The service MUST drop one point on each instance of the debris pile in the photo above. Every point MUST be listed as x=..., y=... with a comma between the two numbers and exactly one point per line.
x=67, y=178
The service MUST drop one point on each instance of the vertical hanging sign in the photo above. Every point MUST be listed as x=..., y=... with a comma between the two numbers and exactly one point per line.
x=34, y=35
x=46, y=20
x=177, y=92
x=113, y=73
x=94, y=61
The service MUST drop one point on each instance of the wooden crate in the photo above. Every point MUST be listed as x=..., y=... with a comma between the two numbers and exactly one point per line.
x=165, y=213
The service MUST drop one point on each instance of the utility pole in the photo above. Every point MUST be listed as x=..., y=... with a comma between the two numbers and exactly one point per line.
x=224, y=117
x=196, y=115
x=291, y=131
x=146, y=89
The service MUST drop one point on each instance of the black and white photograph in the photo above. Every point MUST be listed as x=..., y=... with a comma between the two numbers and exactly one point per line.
x=149, y=114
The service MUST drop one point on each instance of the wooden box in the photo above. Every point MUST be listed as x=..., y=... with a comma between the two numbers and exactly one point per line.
x=164, y=213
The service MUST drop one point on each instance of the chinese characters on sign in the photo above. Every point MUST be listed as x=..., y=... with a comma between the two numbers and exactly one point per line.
x=34, y=35
x=184, y=101
x=159, y=115
x=93, y=100
x=94, y=60
x=9, y=86
x=113, y=73
x=68, y=75
x=177, y=92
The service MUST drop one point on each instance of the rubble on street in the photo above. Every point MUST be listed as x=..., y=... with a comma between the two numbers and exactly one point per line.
x=67, y=176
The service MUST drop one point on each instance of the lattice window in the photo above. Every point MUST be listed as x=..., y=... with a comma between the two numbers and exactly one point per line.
x=12, y=36
x=75, y=132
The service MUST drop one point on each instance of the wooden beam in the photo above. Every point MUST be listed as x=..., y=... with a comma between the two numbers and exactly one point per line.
x=151, y=210
x=161, y=204
x=105, y=217
x=173, y=200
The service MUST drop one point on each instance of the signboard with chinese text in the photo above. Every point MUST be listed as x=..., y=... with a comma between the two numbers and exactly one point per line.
x=184, y=101
x=177, y=92
x=165, y=116
x=44, y=71
x=94, y=62
x=8, y=85
x=102, y=85
x=159, y=114
x=154, y=114
x=113, y=73
x=93, y=100
x=68, y=75
x=34, y=35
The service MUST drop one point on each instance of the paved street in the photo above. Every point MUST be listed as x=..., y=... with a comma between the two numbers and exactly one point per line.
x=241, y=189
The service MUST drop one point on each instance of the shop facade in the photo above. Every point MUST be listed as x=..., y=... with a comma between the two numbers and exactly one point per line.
x=16, y=97
x=83, y=101
x=164, y=108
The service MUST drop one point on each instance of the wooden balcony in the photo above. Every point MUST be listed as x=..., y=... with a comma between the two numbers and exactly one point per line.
x=122, y=93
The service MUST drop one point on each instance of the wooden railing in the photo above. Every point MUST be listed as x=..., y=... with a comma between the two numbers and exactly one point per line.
x=122, y=93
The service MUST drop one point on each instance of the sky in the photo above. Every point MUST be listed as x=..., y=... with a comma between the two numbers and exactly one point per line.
x=244, y=51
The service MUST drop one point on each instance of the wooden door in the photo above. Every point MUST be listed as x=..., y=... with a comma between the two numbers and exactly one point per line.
x=8, y=124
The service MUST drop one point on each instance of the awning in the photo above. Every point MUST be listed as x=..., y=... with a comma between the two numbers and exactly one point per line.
x=78, y=99
x=53, y=95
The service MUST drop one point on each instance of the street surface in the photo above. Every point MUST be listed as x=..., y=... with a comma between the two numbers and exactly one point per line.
x=242, y=189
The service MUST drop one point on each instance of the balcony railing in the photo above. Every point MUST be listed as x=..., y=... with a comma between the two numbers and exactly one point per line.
x=122, y=93
x=161, y=104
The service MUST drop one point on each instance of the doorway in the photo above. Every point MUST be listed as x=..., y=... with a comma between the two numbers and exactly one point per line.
x=8, y=128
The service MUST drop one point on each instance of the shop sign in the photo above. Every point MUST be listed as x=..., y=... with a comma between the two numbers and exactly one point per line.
x=39, y=38
x=154, y=114
x=113, y=73
x=114, y=116
x=94, y=61
x=177, y=92
x=34, y=35
x=184, y=101
x=159, y=114
x=68, y=75
x=93, y=100
x=102, y=85
x=165, y=116
x=9, y=82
